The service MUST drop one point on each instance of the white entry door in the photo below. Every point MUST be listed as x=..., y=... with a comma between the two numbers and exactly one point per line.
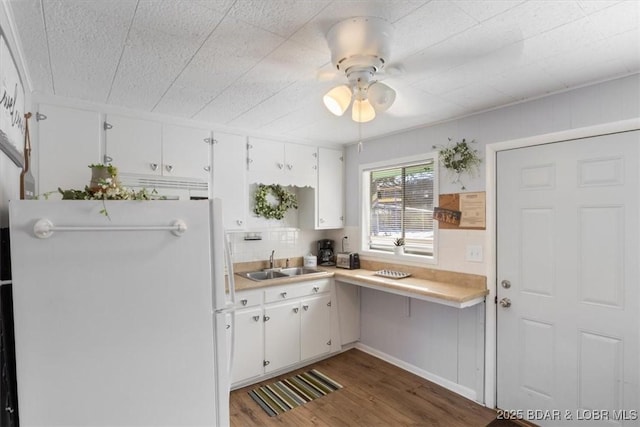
x=568, y=261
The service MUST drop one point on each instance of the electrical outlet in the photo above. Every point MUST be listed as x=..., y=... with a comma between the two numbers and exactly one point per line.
x=474, y=253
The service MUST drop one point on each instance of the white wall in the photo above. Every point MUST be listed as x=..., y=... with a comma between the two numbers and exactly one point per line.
x=9, y=173
x=601, y=103
x=444, y=342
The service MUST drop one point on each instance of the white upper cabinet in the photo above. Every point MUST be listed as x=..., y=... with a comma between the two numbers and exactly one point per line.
x=134, y=145
x=185, y=152
x=324, y=207
x=229, y=178
x=146, y=147
x=273, y=162
x=330, y=188
x=301, y=162
x=68, y=142
x=265, y=158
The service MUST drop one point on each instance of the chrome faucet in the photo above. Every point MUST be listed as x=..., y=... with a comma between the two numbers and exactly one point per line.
x=271, y=259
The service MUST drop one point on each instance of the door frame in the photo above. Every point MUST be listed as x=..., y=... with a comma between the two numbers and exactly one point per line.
x=491, y=150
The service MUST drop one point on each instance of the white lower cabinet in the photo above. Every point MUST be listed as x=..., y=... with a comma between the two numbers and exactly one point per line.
x=287, y=325
x=315, y=326
x=248, y=353
x=281, y=335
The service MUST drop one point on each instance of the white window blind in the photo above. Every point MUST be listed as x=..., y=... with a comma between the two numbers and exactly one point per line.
x=401, y=206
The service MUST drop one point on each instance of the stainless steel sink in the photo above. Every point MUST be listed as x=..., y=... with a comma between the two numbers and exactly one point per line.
x=274, y=274
x=264, y=275
x=298, y=271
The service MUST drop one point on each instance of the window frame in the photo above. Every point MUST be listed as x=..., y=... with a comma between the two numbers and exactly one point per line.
x=364, y=171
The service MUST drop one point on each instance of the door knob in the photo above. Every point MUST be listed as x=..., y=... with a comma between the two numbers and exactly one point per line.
x=506, y=284
x=505, y=302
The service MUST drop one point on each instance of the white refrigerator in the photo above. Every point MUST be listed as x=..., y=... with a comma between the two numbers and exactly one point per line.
x=120, y=319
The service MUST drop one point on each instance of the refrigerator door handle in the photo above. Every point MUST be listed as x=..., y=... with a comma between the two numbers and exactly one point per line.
x=230, y=278
x=230, y=305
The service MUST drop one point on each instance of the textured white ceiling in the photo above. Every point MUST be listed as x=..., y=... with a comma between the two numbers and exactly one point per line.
x=252, y=64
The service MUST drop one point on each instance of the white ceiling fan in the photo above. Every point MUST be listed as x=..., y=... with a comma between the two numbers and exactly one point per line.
x=360, y=51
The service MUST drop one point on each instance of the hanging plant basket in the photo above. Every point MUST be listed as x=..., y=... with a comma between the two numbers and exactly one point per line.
x=284, y=200
x=460, y=158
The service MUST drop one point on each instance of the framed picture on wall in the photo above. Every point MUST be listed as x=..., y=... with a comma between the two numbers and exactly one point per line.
x=12, y=98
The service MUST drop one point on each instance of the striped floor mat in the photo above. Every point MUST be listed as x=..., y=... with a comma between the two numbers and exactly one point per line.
x=281, y=396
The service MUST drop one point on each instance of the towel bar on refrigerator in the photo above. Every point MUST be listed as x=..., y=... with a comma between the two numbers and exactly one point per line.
x=43, y=228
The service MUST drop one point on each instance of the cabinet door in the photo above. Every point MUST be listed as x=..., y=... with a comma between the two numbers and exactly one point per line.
x=330, y=188
x=247, y=352
x=229, y=178
x=301, y=163
x=315, y=326
x=68, y=142
x=281, y=335
x=134, y=145
x=186, y=152
x=265, y=157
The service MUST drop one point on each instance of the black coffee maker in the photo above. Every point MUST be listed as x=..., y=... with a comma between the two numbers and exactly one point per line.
x=325, y=252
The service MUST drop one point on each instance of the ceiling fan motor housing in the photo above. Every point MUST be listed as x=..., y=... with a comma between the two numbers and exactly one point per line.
x=360, y=44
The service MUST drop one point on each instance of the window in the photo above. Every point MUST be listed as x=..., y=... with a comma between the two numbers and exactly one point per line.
x=398, y=202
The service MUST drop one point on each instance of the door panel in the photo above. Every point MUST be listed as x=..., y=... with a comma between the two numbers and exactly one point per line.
x=281, y=335
x=567, y=239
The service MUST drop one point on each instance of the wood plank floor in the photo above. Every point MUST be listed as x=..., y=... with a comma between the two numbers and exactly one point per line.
x=375, y=393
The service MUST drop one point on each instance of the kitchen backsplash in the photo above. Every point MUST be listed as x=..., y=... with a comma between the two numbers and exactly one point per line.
x=287, y=242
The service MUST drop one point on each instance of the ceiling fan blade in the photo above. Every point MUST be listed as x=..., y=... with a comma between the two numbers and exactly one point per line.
x=327, y=75
x=394, y=69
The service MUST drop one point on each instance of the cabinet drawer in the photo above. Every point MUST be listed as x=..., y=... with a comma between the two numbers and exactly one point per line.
x=248, y=298
x=302, y=289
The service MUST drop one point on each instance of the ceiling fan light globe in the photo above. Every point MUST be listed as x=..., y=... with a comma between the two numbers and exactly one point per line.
x=337, y=100
x=362, y=111
x=381, y=96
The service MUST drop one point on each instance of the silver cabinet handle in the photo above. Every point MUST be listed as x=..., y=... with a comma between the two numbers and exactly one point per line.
x=295, y=309
x=329, y=342
x=239, y=222
x=108, y=159
x=305, y=307
x=321, y=220
x=207, y=140
x=505, y=302
x=207, y=168
x=243, y=301
x=316, y=288
x=283, y=294
x=169, y=168
x=266, y=362
x=228, y=326
x=280, y=165
x=289, y=167
x=266, y=318
x=153, y=166
x=256, y=318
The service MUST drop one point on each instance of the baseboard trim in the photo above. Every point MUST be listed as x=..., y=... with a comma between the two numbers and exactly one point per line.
x=448, y=384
